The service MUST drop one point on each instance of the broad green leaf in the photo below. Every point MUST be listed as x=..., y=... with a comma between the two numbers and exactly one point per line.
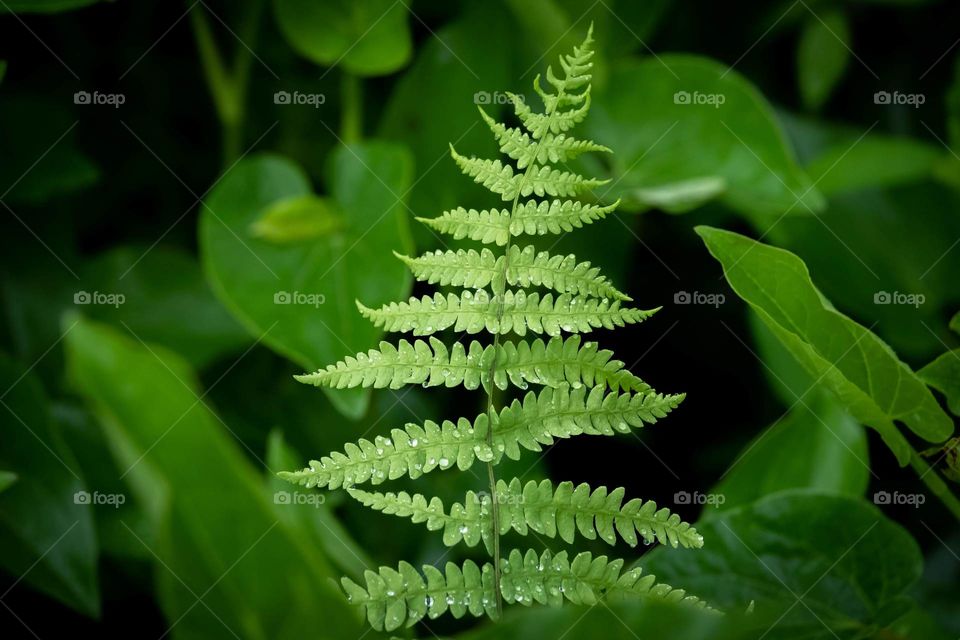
x=159, y=295
x=298, y=219
x=7, y=478
x=849, y=565
x=955, y=323
x=219, y=535
x=677, y=118
x=943, y=374
x=43, y=6
x=47, y=537
x=310, y=512
x=865, y=374
x=875, y=160
x=366, y=37
x=434, y=104
x=822, y=56
x=876, y=263
x=820, y=447
x=300, y=299
x=41, y=159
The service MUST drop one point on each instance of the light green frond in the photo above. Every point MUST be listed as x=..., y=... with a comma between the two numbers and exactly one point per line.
x=540, y=124
x=392, y=598
x=489, y=226
x=523, y=267
x=496, y=226
x=542, y=418
x=518, y=145
x=411, y=451
x=562, y=412
x=548, y=511
x=551, y=363
x=473, y=312
x=500, y=178
x=550, y=578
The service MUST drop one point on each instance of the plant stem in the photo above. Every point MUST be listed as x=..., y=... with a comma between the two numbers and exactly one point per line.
x=935, y=483
x=228, y=87
x=499, y=287
x=351, y=108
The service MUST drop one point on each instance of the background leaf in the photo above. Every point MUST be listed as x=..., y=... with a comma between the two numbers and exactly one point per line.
x=855, y=364
x=678, y=118
x=219, y=539
x=47, y=538
x=300, y=300
x=366, y=37
x=822, y=55
x=786, y=554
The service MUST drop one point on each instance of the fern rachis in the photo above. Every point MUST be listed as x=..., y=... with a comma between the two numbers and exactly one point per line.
x=582, y=390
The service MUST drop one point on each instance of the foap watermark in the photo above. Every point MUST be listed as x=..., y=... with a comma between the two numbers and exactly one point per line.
x=696, y=97
x=99, y=499
x=98, y=297
x=299, y=297
x=897, y=297
x=483, y=497
x=99, y=99
x=298, y=98
x=497, y=97
x=897, y=498
x=696, y=297
x=897, y=98
x=709, y=499
x=314, y=500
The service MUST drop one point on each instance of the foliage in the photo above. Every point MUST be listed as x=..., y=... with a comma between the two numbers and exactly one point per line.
x=393, y=598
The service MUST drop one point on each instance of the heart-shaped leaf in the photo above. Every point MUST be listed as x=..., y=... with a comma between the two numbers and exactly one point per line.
x=300, y=298
x=789, y=555
x=676, y=118
x=366, y=37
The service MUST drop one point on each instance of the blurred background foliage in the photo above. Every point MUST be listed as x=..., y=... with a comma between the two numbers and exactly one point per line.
x=194, y=194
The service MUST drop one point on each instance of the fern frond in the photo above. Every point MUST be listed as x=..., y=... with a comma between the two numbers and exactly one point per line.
x=500, y=178
x=564, y=511
x=583, y=391
x=518, y=144
x=519, y=312
x=533, y=218
x=523, y=268
x=549, y=363
x=542, y=418
x=392, y=598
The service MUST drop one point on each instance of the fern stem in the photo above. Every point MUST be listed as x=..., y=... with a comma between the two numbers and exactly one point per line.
x=935, y=483
x=499, y=285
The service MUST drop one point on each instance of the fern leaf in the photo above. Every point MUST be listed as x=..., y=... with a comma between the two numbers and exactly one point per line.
x=539, y=124
x=392, y=598
x=519, y=312
x=548, y=511
x=523, y=268
x=542, y=181
x=549, y=363
x=518, y=144
x=539, y=420
x=497, y=226
x=550, y=578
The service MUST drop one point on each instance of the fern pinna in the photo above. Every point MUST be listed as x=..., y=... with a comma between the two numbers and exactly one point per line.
x=582, y=389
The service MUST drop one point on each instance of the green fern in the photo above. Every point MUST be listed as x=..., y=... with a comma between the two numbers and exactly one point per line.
x=583, y=391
